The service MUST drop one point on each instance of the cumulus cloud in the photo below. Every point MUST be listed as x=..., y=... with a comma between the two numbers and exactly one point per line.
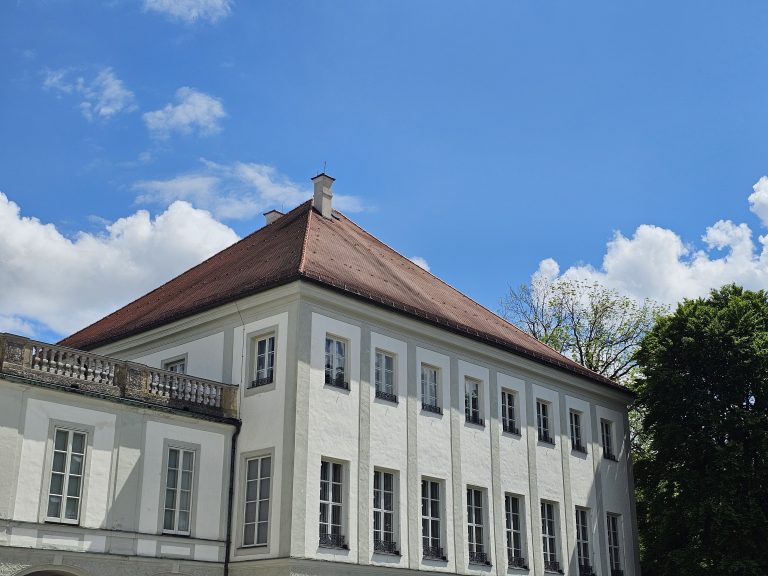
x=54, y=283
x=193, y=112
x=657, y=263
x=420, y=262
x=190, y=11
x=240, y=190
x=102, y=97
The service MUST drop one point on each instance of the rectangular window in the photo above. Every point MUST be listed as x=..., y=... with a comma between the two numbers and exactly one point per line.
x=384, y=513
x=430, y=399
x=576, y=441
x=475, y=534
x=606, y=431
x=264, y=361
x=508, y=415
x=331, y=505
x=385, y=376
x=542, y=422
x=178, y=491
x=549, y=536
x=177, y=366
x=582, y=542
x=614, y=549
x=336, y=363
x=67, y=469
x=431, y=529
x=515, y=557
x=472, y=401
x=258, y=477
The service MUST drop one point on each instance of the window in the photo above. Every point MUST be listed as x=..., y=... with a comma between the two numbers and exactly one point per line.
x=384, y=513
x=67, y=469
x=606, y=431
x=264, y=361
x=258, y=476
x=542, y=421
x=614, y=550
x=549, y=537
x=508, y=416
x=475, y=536
x=582, y=542
x=429, y=389
x=472, y=401
x=431, y=529
x=576, y=443
x=385, y=376
x=515, y=557
x=178, y=491
x=331, y=505
x=335, y=363
x=179, y=366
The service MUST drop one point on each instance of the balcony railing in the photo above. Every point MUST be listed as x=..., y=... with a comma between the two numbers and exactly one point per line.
x=552, y=566
x=510, y=428
x=108, y=377
x=516, y=561
x=434, y=553
x=479, y=558
x=431, y=408
x=388, y=396
x=385, y=546
x=332, y=541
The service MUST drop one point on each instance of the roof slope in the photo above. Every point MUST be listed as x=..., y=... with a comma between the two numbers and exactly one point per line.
x=335, y=253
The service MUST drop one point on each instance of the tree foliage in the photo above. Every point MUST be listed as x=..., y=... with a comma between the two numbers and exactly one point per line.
x=702, y=486
x=594, y=325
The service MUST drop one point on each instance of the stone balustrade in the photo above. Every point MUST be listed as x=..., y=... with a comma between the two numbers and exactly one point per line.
x=104, y=376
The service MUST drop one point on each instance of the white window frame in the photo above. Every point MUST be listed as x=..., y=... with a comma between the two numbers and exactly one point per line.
x=67, y=475
x=331, y=534
x=336, y=365
x=384, y=509
x=386, y=390
x=543, y=422
x=428, y=399
x=473, y=401
x=509, y=411
x=577, y=438
x=583, y=554
x=257, y=500
x=513, y=516
x=432, y=519
x=265, y=375
x=549, y=536
x=177, y=490
x=173, y=364
x=476, y=532
x=613, y=525
x=606, y=435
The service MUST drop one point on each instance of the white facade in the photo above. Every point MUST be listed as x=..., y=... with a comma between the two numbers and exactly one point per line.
x=298, y=420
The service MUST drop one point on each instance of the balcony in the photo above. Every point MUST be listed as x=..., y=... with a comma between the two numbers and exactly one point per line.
x=516, y=562
x=388, y=396
x=479, y=558
x=510, y=428
x=385, y=547
x=75, y=370
x=552, y=566
x=431, y=408
x=332, y=541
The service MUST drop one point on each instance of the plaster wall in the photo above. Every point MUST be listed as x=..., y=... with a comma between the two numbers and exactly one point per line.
x=204, y=357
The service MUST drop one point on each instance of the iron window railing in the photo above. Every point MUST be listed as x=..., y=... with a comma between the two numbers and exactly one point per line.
x=546, y=438
x=609, y=455
x=586, y=570
x=579, y=447
x=263, y=381
x=552, y=566
x=434, y=553
x=385, y=546
x=617, y=572
x=511, y=428
x=475, y=419
x=431, y=408
x=336, y=381
x=388, y=396
x=332, y=541
x=516, y=562
x=479, y=558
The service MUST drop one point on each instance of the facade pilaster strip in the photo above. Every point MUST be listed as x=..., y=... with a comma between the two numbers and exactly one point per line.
x=412, y=471
x=364, y=451
x=497, y=489
x=597, y=456
x=459, y=515
x=229, y=345
x=534, y=533
x=569, y=513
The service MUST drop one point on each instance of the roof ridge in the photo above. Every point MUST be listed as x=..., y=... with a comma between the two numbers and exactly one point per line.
x=304, y=240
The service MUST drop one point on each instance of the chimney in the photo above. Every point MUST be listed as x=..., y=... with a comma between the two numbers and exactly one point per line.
x=323, y=194
x=272, y=215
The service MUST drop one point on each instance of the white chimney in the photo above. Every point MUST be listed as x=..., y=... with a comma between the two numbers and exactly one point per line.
x=323, y=194
x=272, y=215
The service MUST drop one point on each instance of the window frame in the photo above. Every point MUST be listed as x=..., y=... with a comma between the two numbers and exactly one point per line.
x=515, y=553
x=381, y=545
x=575, y=427
x=431, y=519
x=544, y=422
x=71, y=429
x=476, y=526
x=509, y=425
x=606, y=439
x=253, y=370
x=379, y=392
x=614, y=546
x=426, y=406
x=168, y=363
x=326, y=538
x=169, y=443
x=247, y=459
x=333, y=381
x=473, y=401
x=583, y=545
x=177, y=489
x=550, y=542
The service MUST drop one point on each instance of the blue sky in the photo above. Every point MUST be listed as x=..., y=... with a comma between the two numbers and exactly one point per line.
x=620, y=141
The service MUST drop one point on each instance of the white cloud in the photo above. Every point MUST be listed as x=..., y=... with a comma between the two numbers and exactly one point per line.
x=63, y=284
x=194, y=111
x=657, y=263
x=190, y=11
x=102, y=98
x=240, y=190
x=420, y=262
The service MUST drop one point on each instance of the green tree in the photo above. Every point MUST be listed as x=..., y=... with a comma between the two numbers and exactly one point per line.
x=702, y=486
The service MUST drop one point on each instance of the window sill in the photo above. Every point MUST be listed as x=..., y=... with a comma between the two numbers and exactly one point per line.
x=431, y=408
x=339, y=385
x=511, y=430
x=546, y=440
x=386, y=396
x=479, y=422
x=611, y=457
x=435, y=558
x=579, y=449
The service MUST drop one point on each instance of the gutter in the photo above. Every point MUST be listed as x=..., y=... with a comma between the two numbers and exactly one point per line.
x=231, y=497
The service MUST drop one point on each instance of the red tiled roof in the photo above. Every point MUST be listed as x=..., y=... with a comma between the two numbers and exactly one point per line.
x=335, y=253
